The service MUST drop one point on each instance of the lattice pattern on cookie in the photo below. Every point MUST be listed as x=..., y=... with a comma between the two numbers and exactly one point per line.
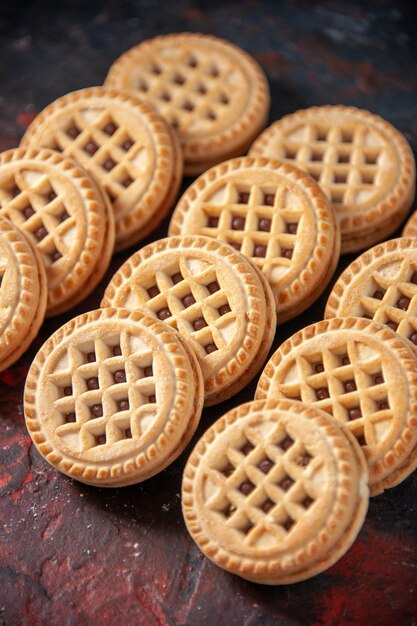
x=347, y=162
x=194, y=89
x=31, y=201
x=346, y=381
x=260, y=222
x=263, y=488
x=190, y=298
x=105, y=146
x=105, y=392
x=393, y=301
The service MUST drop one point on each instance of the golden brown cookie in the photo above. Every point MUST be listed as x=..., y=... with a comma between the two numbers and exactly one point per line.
x=125, y=145
x=213, y=296
x=365, y=375
x=213, y=93
x=69, y=221
x=381, y=284
x=113, y=397
x=275, y=215
x=275, y=491
x=23, y=293
x=362, y=162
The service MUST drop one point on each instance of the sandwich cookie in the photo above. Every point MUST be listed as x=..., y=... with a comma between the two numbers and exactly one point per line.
x=363, y=164
x=23, y=293
x=381, y=284
x=274, y=214
x=113, y=397
x=211, y=92
x=275, y=491
x=59, y=208
x=125, y=145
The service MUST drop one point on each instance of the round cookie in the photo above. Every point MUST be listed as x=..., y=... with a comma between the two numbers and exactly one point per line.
x=113, y=397
x=276, y=215
x=363, y=164
x=125, y=144
x=275, y=491
x=363, y=374
x=213, y=296
x=213, y=93
x=63, y=214
x=381, y=284
x=23, y=293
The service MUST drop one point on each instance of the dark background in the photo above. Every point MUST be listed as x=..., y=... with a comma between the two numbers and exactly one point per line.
x=75, y=555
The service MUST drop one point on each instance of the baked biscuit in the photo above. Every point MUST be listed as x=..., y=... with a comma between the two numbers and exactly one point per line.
x=215, y=298
x=125, y=145
x=275, y=492
x=363, y=164
x=69, y=221
x=275, y=215
x=113, y=397
x=23, y=293
x=211, y=92
x=381, y=284
x=365, y=375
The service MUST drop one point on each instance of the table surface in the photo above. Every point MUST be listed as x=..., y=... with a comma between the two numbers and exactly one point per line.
x=74, y=555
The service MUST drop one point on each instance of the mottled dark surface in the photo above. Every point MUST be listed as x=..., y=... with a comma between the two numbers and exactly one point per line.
x=75, y=555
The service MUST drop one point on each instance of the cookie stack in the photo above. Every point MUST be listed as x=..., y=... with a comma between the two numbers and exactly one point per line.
x=125, y=146
x=23, y=293
x=211, y=92
x=277, y=489
x=274, y=214
x=363, y=164
x=113, y=397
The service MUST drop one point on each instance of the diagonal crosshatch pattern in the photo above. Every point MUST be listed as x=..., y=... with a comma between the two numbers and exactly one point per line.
x=394, y=302
x=263, y=486
x=347, y=167
x=195, y=303
x=260, y=222
x=194, y=90
x=32, y=202
x=342, y=382
x=96, y=138
x=101, y=392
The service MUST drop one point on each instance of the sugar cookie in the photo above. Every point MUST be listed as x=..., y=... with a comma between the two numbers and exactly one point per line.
x=363, y=164
x=275, y=492
x=113, y=397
